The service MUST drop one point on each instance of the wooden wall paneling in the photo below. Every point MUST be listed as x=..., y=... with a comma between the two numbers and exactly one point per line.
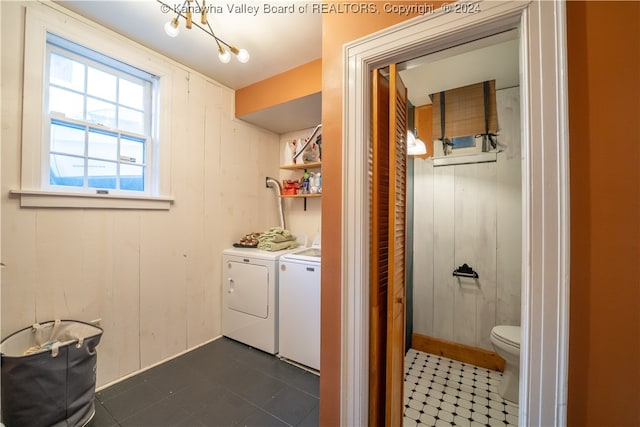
x=423, y=251
x=266, y=148
x=464, y=238
x=119, y=349
x=210, y=306
x=88, y=298
x=162, y=294
x=485, y=248
x=20, y=274
x=189, y=213
x=95, y=262
x=443, y=259
x=249, y=205
x=231, y=195
x=58, y=255
x=499, y=184
x=509, y=209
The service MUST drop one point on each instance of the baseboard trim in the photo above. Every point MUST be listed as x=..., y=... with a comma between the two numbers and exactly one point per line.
x=460, y=352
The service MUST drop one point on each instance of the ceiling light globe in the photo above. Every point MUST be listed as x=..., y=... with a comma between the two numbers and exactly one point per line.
x=171, y=28
x=243, y=55
x=224, y=55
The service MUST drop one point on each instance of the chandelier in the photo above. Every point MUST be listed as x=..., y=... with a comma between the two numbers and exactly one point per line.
x=186, y=12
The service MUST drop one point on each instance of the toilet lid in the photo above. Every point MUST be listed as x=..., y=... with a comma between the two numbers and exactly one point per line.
x=507, y=334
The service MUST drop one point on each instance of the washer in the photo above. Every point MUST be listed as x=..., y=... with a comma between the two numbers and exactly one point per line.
x=299, y=323
x=249, y=297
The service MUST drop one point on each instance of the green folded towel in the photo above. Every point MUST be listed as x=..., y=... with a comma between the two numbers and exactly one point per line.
x=277, y=235
x=277, y=246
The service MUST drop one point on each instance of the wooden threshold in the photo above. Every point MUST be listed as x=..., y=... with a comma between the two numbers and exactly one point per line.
x=460, y=352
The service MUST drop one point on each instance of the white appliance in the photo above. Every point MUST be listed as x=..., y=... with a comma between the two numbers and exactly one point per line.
x=299, y=323
x=249, y=297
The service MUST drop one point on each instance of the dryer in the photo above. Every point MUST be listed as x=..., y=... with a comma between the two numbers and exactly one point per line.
x=249, y=297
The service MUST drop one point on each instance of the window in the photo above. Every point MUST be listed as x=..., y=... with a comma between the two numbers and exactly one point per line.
x=98, y=119
x=96, y=116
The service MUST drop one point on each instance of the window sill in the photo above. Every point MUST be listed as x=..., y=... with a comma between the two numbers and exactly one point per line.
x=48, y=199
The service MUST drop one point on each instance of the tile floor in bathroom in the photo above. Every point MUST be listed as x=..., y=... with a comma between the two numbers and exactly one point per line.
x=223, y=383
x=443, y=392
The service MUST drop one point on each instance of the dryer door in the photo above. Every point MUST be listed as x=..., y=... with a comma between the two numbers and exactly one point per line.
x=247, y=288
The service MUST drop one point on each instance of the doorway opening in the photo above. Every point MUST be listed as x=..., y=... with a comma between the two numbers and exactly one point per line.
x=545, y=199
x=464, y=209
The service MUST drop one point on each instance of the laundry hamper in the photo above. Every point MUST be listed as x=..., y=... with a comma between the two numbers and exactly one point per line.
x=49, y=374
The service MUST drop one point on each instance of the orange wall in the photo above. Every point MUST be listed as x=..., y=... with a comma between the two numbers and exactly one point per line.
x=293, y=84
x=424, y=127
x=604, y=362
x=337, y=29
x=604, y=115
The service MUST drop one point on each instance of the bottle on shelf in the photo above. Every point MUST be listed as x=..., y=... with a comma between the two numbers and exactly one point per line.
x=305, y=183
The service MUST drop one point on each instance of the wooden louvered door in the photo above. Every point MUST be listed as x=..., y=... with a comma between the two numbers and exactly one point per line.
x=397, y=237
x=388, y=235
x=379, y=165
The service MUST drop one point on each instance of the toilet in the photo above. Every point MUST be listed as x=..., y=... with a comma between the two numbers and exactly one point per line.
x=506, y=342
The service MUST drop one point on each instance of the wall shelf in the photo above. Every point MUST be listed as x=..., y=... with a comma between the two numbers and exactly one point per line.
x=302, y=166
x=298, y=166
x=300, y=196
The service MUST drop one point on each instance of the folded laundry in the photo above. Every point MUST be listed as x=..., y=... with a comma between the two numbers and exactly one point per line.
x=277, y=246
x=276, y=239
x=276, y=235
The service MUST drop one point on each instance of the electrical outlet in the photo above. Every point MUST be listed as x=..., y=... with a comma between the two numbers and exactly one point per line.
x=97, y=322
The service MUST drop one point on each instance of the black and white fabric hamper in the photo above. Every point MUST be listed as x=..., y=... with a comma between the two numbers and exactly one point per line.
x=48, y=374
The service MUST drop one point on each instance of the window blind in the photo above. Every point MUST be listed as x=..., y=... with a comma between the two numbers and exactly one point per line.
x=464, y=111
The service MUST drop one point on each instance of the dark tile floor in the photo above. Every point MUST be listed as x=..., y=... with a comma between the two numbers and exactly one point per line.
x=223, y=383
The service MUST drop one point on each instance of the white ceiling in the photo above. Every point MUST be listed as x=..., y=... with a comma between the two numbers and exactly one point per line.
x=276, y=42
x=494, y=57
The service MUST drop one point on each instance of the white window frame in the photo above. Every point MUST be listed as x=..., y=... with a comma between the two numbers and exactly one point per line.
x=40, y=20
x=71, y=50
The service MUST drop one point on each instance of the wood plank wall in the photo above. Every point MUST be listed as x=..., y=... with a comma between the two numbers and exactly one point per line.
x=153, y=277
x=470, y=214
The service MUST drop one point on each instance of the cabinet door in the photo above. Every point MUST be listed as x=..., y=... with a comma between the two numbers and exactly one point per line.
x=247, y=288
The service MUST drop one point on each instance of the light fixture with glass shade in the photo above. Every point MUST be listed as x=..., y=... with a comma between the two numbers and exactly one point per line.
x=415, y=147
x=185, y=11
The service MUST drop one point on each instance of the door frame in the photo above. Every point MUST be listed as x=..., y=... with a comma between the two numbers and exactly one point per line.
x=545, y=178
